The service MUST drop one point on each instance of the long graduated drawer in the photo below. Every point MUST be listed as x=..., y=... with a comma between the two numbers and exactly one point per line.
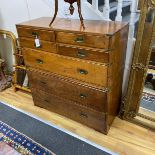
x=75, y=68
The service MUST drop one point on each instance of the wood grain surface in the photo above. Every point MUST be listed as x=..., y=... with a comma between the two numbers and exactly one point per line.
x=75, y=68
x=60, y=24
x=32, y=33
x=78, y=113
x=83, y=39
x=93, y=58
x=88, y=97
x=85, y=53
x=44, y=45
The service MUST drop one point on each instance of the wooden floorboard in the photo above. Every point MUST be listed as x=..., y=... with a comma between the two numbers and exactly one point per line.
x=124, y=138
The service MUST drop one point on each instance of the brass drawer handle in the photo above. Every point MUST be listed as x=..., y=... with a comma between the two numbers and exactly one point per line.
x=46, y=101
x=83, y=115
x=39, y=61
x=82, y=71
x=43, y=82
x=83, y=96
x=81, y=54
x=79, y=40
x=34, y=34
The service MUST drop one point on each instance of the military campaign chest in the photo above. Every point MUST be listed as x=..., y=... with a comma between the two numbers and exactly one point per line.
x=76, y=73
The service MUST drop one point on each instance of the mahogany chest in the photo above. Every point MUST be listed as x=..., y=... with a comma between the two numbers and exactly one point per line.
x=76, y=73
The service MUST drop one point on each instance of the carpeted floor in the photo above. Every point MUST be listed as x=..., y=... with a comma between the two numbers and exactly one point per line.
x=13, y=142
x=51, y=137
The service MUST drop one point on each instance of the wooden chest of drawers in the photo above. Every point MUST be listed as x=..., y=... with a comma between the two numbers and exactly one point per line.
x=76, y=73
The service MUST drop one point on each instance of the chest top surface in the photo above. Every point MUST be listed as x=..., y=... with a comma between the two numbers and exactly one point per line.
x=61, y=24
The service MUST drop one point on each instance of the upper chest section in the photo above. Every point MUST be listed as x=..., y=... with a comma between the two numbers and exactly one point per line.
x=97, y=34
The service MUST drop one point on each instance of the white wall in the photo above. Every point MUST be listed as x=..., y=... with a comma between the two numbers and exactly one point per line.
x=17, y=11
x=6, y=52
x=13, y=12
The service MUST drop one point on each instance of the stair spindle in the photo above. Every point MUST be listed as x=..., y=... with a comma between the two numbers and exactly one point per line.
x=132, y=22
x=95, y=4
x=119, y=11
x=106, y=10
x=131, y=40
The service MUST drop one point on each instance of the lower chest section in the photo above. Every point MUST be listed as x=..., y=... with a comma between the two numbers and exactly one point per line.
x=70, y=109
x=70, y=90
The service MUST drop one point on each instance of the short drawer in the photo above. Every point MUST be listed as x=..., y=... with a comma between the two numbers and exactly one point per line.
x=66, y=108
x=83, y=39
x=84, y=53
x=46, y=35
x=73, y=68
x=44, y=45
x=89, y=97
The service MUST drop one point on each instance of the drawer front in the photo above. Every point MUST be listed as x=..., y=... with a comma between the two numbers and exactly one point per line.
x=88, y=97
x=83, y=53
x=83, y=40
x=74, y=68
x=44, y=45
x=66, y=108
x=32, y=33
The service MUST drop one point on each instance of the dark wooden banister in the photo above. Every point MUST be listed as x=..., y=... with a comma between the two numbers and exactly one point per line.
x=71, y=8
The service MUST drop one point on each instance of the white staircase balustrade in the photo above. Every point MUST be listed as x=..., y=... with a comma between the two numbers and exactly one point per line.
x=119, y=11
x=133, y=20
x=95, y=4
x=106, y=10
x=131, y=40
x=91, y=11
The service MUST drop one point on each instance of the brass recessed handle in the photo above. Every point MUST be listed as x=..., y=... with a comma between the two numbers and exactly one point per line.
x=83, y=96
x=83, y=115
x=46, y=100
x=43, y=82
x=82, y=71
x=79, y=40
x=34, y=34
x=81, y=54
x=39, y=61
